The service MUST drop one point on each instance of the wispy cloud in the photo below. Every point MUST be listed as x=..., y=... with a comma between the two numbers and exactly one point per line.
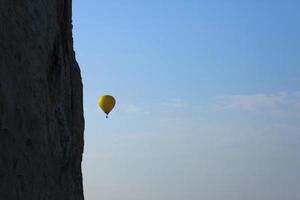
x=131, y=108
x=278, y=103
x=176, y=103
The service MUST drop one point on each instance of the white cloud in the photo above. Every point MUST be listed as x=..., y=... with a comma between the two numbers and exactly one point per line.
x=282, y=103
x=131, y=108
x=176, y=103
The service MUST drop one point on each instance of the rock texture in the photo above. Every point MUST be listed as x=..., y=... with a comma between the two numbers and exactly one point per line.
x=41, y=115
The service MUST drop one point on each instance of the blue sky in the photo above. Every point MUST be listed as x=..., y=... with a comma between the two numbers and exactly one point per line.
x=208, y=99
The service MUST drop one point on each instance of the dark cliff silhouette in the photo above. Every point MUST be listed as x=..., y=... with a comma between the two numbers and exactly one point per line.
x=41, y=114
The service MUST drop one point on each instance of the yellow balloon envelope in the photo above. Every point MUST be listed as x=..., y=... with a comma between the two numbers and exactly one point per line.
x=107, y=103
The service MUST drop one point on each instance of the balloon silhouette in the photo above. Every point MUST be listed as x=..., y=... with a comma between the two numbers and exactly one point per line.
x=107, y=103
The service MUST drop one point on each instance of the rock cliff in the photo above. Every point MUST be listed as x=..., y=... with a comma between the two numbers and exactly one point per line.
x=41, y=114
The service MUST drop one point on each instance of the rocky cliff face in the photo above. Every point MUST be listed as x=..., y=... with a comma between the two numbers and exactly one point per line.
x=41, y=117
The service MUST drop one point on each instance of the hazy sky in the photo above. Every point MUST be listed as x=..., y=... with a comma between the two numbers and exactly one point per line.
x=208, y=98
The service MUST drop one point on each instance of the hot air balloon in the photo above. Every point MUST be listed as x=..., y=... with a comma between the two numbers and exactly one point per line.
x=107, y=103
